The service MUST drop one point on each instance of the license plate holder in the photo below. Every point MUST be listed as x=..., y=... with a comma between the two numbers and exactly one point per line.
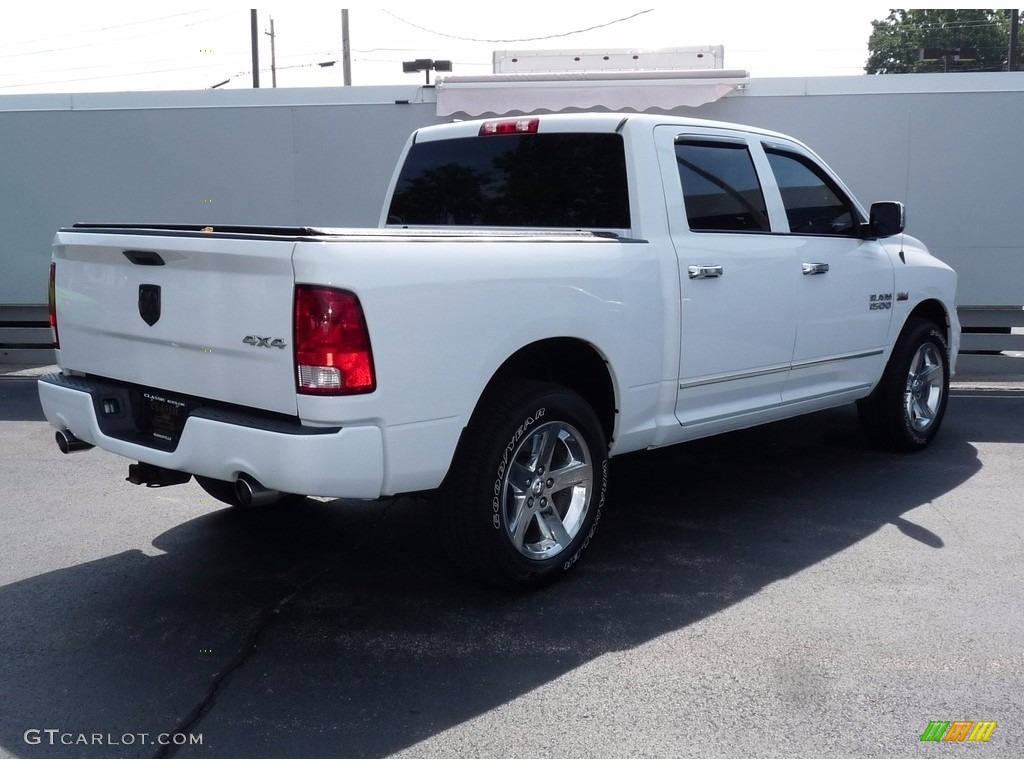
x=163, y=417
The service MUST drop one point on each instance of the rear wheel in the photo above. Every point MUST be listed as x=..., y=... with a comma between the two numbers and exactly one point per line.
x=906, y=409
x=528, y=484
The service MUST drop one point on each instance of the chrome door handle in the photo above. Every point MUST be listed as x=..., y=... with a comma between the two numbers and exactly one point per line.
x=703, y=272
x=814, y=269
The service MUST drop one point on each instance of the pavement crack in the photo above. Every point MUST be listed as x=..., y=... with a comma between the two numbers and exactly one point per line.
x=221, y=679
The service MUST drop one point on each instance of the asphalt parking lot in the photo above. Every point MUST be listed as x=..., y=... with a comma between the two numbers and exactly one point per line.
x=779, y=592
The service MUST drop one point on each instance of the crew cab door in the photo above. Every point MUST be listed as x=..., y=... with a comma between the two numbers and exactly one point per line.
x=738, y=320
x=845, y=282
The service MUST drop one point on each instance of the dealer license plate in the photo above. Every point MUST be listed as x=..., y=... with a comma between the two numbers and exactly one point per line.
x=163, y=417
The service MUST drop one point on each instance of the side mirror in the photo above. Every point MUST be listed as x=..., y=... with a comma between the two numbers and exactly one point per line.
x=887, y=219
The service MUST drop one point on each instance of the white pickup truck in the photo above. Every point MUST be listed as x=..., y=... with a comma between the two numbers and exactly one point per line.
x=542, y=293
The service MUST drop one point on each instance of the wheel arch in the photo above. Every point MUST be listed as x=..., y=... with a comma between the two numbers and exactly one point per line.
x=570, y=362
x=934, y=310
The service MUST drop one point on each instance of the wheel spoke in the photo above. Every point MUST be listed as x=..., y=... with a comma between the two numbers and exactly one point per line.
x=923, y=411
x=932, y=373
x=520, y=521
x=519, y=478
x=920, y=358
x=549, y=439
x=552, y=528
x=570, y=476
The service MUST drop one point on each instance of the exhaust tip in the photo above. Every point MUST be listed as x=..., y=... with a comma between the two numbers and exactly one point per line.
x=68, y=443
x=243, y=490
x=251, y=493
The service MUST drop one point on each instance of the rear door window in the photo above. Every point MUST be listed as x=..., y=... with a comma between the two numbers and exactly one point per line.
x=721, y=190
x=543, y=180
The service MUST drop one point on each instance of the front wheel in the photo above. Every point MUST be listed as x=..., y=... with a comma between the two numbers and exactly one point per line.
x=906, y=409
x=528, y=484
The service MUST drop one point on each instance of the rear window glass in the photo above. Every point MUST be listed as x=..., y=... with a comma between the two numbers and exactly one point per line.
x=721, y=190
x=529, y=180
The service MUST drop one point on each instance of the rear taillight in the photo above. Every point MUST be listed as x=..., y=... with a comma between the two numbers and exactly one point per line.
x=332, y=344
x=52, y=300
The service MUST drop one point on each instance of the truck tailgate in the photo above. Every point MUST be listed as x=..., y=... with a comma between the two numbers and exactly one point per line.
x=201, y=315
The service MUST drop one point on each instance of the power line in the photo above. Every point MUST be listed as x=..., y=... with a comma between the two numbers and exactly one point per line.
x=94, y=43
x=78, y=33
x=109, y=77
x=216, y=61
x=146, y=21
x=516, y=40
x=944, y=25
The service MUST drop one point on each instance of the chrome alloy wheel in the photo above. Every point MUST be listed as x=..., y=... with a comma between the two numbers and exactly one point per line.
x=923, y=395
x=547, y=490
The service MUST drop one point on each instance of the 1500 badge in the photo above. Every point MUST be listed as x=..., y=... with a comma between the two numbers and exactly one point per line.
x=264, y=341
x=880, y=301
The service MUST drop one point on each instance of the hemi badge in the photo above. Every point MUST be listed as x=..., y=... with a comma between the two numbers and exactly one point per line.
x=902, y=296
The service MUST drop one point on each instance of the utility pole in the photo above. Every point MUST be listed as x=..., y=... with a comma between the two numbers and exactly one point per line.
x=254, y=33
x=273, y=54
x=346, y=52
x=1012, y=64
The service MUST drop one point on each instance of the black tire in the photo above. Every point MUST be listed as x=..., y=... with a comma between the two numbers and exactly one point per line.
x=905, y=411
x=527, y=486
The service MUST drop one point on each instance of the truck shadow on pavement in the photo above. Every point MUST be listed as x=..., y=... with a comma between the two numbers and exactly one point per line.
x=335, y=629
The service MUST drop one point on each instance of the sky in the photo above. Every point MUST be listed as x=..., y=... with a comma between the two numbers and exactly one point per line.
x=95, y=47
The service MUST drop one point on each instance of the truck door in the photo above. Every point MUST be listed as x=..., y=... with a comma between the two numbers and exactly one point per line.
x=738, y=320
x=845, y=288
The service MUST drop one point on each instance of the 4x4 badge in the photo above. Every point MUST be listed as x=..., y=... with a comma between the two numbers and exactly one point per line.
x=149, y=303
x=264, y=341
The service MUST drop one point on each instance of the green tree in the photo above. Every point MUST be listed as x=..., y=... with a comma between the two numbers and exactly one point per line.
x=982, y=36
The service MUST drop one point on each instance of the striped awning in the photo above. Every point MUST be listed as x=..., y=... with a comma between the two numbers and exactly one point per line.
x=484, y=95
